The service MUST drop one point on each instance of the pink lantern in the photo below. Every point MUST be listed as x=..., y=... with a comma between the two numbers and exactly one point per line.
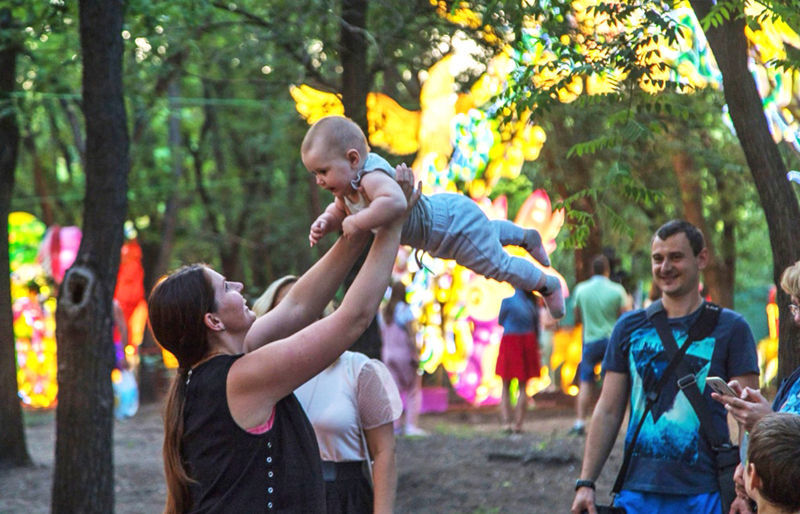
x=58, y=250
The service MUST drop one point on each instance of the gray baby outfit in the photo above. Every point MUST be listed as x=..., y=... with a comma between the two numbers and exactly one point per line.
x=452, y=226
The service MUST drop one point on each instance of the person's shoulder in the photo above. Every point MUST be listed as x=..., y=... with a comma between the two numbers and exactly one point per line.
x=373, y=365
x=376, y=162
x=731, y=316
x=579, y=287
x=617, y=287
x=632, y=319
x=354, y=359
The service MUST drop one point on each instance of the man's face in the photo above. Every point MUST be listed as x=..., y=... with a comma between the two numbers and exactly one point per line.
x=676, y=270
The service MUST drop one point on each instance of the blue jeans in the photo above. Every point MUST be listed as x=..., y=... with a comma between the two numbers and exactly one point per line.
x=593, y=352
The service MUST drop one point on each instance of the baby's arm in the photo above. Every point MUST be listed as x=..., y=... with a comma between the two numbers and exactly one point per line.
x=328, y=221
x=386, y=203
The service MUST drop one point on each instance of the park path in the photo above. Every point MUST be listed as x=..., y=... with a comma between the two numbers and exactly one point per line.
x=465, y=465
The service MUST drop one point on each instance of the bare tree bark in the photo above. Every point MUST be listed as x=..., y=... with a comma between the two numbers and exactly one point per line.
x=353, y=46
x=729, y=45
x=170, y=219
x=75, y=127
x=84, y=472
x=39, y=181
x=13, y=450
x=718, y=281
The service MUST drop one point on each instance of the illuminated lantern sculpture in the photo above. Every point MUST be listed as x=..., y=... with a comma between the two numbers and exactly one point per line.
x=58, y=250
x=33, y=310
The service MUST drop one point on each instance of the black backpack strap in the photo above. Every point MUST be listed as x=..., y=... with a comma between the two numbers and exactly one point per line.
x=702, y=327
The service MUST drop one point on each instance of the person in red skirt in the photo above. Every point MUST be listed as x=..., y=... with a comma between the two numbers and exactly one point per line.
x=519, y=354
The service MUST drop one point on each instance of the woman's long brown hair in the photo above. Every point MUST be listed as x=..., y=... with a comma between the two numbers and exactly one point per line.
x=176, y=309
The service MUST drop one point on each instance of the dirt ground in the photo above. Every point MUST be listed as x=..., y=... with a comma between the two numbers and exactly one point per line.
x=464, y=465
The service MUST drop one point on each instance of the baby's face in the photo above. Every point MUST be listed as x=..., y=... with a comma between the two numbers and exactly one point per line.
x=331, y=171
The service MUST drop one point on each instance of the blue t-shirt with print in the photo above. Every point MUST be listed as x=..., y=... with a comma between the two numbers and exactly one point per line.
x=670, y=455
x=788, y=397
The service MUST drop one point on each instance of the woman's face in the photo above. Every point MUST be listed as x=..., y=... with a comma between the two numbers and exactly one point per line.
x=231, y=307
x=794, y=309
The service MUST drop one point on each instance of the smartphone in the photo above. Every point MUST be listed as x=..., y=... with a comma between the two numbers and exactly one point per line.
x=720, y=386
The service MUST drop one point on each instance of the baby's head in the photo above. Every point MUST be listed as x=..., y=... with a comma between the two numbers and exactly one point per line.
x=772, y=473
x=334, y=138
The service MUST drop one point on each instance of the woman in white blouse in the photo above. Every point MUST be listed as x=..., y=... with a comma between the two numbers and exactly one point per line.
x=352, y=406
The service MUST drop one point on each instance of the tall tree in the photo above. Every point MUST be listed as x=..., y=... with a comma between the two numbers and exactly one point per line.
x=353, y=50
x=13, y=450
x=729, y=45
x=84, y=421
x=634, y=52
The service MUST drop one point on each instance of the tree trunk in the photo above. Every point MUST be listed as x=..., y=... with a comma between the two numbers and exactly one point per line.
x=75, y=127
x=84, y=473
x=729, y=45
x=170, y=218
x=353, y=49
x=716, y=275
x=355, y=86
x=40, y=181
x=13, y=450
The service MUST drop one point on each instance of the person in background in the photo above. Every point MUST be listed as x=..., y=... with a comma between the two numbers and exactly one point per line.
x=772, y=469
x=120, y=336
x=352, y=405
x=518, y=357
x=749, y=406
x=401, y=355
x=673, y=468
x=598, y=304
x=548, y=326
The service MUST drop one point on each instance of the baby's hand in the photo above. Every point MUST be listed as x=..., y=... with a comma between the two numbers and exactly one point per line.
x=349, y=227
x=318, y=229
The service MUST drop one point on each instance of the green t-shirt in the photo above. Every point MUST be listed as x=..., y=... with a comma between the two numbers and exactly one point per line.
x=600, y=301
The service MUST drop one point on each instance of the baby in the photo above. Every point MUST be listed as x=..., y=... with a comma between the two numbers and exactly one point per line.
x=446, y=225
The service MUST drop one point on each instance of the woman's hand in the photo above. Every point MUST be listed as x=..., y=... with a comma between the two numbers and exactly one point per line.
x=748, y=408
x=405, y=177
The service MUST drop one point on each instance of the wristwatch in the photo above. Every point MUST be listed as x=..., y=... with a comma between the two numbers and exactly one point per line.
x=584, y=483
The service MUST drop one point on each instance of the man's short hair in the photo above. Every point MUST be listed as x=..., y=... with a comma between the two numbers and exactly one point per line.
x=693, y=234
x=790, y=280
x=600, y=265
x=774, y=449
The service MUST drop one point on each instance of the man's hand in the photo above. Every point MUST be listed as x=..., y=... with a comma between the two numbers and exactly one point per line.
x=584, y=501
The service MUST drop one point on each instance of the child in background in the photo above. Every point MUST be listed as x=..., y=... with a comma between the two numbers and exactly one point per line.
x=772, y=468
x=400, y=354
x=518, y=356
x=448, y=226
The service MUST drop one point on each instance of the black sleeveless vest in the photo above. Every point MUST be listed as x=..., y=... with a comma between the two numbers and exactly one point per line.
x=278, y=471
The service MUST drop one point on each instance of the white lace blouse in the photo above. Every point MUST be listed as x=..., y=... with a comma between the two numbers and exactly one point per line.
x=352, y=394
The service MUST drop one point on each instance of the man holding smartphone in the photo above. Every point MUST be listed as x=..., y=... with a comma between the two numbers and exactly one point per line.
x=672, y=468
